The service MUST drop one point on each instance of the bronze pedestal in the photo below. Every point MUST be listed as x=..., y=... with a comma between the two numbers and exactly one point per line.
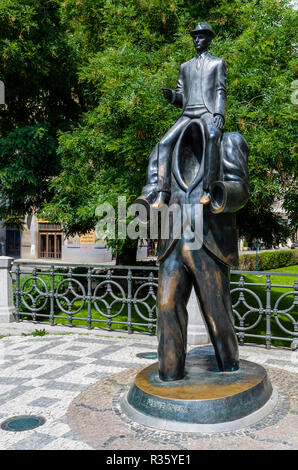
x=206, y=400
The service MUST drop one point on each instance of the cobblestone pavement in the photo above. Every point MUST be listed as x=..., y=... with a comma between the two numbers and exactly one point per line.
x=49, y=375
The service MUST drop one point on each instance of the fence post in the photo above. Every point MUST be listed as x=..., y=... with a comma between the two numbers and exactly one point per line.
x=268, y=311
x=6, y=297
x=129, y=300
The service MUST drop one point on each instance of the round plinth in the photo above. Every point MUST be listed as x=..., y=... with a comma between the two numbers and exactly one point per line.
x=205, y=400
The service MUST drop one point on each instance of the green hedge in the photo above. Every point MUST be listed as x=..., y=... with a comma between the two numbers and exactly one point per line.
x=268, y=260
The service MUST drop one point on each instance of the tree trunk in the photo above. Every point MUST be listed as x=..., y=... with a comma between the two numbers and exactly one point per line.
x=128, y=254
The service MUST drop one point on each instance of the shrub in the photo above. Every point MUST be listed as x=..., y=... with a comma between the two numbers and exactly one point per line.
x=268, y=260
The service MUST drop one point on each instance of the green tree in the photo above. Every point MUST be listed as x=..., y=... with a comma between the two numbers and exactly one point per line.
x=138, y=47
x=38, y=68
x=129, y=50
x=110, y=59
x=27, y=160
x=258, y=43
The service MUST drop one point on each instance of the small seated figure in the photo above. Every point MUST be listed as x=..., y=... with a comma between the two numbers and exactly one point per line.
x=201, y=93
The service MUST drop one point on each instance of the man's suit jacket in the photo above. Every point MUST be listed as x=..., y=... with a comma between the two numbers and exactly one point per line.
x=228, y=194
x=213, y=84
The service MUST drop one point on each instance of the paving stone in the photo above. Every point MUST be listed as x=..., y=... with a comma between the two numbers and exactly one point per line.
x=43, y=402
x=59, y=357
x=35, y=442
x=31, y=367
x=104, y=352
x=94, y=340
x=59, y=372
x=14, y=393
x=76, y=348
x=46, y=347
x=110, y=363
x=53, y=375
x=12, y=380
x=55, y=385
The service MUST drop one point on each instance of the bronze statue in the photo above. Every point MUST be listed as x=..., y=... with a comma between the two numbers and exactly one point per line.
x=201, y=93
x=196, y=163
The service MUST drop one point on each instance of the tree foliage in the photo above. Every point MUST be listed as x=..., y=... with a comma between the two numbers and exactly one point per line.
x=132, y=49
x=42, y=96
x=107, y=154
x=123, y=52
x=28, y=159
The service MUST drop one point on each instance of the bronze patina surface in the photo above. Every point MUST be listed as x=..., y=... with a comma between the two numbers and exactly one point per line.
x=204, y=386
x=195, y=161
x=205, y=395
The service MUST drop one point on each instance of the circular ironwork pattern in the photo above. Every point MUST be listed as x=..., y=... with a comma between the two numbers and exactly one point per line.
x=143, y=301
x=129, y=297
x=266, y=310
x=30, y=293
x=285, y=312
x=70, y=289
x=242, y=300
x=109, y=292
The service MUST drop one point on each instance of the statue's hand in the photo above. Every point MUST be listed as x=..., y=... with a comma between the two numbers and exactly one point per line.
x=168, y=94
x=218, y=121
x=161, y=199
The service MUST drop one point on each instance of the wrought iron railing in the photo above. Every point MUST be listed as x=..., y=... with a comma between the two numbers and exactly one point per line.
x=105, y=295
x=125, y=297
x=272, y=308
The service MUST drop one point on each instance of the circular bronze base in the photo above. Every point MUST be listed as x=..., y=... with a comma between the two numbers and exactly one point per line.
x=205, y=400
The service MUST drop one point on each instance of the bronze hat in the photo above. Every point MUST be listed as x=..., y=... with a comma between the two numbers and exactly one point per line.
x=204, y=27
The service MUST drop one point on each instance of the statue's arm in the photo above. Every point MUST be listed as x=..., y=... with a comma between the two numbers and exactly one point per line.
x=220, y=100
x=178, y=93
x=228, y=196
x=231, y=192
x=175, y=97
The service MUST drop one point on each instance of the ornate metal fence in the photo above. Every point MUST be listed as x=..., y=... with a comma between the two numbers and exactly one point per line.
x=265, y=309
x=91, y=296
x=125, y=297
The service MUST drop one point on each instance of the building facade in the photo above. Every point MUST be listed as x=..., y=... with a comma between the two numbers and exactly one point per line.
x=43, y=240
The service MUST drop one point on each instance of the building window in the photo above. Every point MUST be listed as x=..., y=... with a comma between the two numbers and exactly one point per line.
x=13, y=242
x=50, y=240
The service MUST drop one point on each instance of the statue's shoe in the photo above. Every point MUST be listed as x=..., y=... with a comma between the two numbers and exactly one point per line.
x=161, y=200
x=158, y=204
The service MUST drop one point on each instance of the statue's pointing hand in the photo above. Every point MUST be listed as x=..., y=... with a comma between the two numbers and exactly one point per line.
x=168, y=94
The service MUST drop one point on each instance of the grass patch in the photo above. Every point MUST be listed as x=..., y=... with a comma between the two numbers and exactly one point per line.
x=115, y=319
x=113, y=316
x=108, y=313
x=36, y=333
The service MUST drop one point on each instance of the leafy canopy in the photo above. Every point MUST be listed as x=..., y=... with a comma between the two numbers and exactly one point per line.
x=101, y=64
x=133, y=48
x=42, y=95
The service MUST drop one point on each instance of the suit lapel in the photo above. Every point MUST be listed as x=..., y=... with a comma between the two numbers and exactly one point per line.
x=190, y=65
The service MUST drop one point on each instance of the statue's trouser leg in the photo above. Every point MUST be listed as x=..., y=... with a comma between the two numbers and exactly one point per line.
x=212, y=286
x=178, y=272
x=212, y=158
x=173, y=294
x=164, y=153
